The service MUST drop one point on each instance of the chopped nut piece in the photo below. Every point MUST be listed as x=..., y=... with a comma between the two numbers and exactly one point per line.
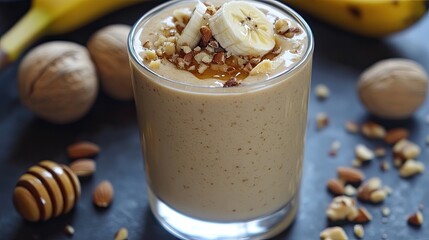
x=322, y=120
x=207, y=59
x=281, y=26
x=350, y=175
x=206, y=34
x=187, y=59
x=373, y=130
x=350, y=191
x=276, y=50
x=121, y=234
x=186, y=49
x=69, y=230
x=149, y=55
x=182, y=15
x=395, y=135
x=197, y=49
x=335, y=186
x=335, y=146
x=192, y=68
x=200, y=56
x=291, y=32
x=405, y=149
x=219, y=58
x=255, y=61
x=416, y=219
x=202, y=68
x=148, y=45
x=352, y=127
x=231, y=83
x=214, y=44
x=341, y=208
x=384, y=166
x=322, y=91
x=363, y=153
x=155, y=64
x=363, y=216
x=380, y=152
x=169, y=48
x=359, y=231
x=333, y=233
x=410, y=168
x=385, y=211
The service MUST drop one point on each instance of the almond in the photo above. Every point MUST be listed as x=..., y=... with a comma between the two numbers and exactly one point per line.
x=395, y=135
x=103, y=194
x=363, y=216
x=350, y=175
x=83, y=167
x=206, y=34
x=82, y=150
x=416, y=219
x=335, y=186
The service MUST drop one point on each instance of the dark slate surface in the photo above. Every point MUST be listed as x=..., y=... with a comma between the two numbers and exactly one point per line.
x=339, y=59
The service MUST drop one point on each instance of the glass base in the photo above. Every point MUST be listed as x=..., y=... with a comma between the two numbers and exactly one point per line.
x=185, y=227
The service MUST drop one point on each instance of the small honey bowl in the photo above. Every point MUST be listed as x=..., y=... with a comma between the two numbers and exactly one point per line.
x=45, y=191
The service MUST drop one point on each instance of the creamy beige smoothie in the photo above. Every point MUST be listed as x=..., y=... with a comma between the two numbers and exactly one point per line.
x=222, y=145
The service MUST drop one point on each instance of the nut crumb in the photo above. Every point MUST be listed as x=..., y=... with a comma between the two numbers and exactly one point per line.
x=69, y=230
x=363, y=153
x=350, y=191
x=322, y=120
x=335, y=147
x=333, y=233
x=121, y=234
x=385, y=211
x=231, y=83
x=384, y=166
x=373, y=130
x=410, y=168
x=359, y=231
x=322, y=92
x=352, y=127
x=380, y=152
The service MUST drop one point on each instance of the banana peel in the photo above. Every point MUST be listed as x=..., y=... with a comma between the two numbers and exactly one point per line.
x=369, y=18
x=52, y=17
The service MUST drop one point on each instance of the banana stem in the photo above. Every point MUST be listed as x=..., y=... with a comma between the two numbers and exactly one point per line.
x=23, y=34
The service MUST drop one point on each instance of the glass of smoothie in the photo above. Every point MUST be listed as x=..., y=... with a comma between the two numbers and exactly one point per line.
x=221, y=91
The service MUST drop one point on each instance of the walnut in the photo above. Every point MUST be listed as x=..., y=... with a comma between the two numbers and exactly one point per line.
x=108, y=49
x=57, y=80
x=393, y=88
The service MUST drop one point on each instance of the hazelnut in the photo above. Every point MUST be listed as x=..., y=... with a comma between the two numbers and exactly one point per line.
x=393, y=88
x=57, y=80
x=108, y=49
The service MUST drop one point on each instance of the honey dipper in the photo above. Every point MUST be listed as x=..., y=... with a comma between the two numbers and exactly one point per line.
x=45, y=191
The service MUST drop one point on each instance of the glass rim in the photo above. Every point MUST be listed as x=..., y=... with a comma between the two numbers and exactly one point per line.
x=272, y=79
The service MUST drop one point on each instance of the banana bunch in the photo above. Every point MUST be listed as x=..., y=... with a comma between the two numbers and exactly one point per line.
x=52, y=17
x=371, y=18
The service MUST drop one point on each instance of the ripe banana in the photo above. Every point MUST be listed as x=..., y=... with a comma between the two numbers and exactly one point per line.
x=242, y=29
x=191, y=34
x=371, y=18
x=52, y=17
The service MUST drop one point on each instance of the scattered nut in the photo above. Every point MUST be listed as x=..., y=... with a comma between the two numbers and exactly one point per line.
x=342, y=208
x=83, y=167
x=121, y=234
x=352, y=127
x=358, y=230
x=384, y=166
x=322, y=91
x=156, y=64
x=350, y=175
x=405, y=149
x=363, y=216
x=82, y=149
x=335, y=186
x=333, y=233
x=372, y=191
x=281, y=26
x=380, y=152
x=393, y=88
x=350, y=191
x=385, y=211
x=103, y=194
x=363, y=153
x=410, y=168
x=335, y=147
x=69, y=230
x=206, y=34
x=322, y=120
x=373, y=130
x=416, y=219
x=395, y=135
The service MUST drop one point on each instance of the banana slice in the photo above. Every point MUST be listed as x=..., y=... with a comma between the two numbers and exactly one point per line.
x=242, y=29
x=191, y=34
